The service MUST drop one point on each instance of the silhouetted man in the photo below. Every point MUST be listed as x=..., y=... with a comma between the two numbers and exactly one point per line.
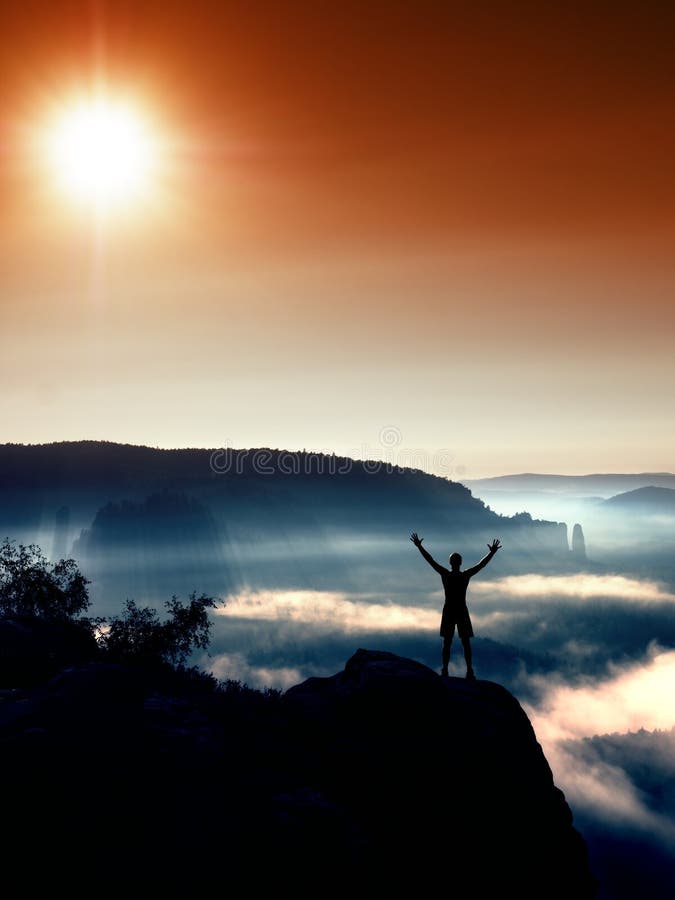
x=455, y=611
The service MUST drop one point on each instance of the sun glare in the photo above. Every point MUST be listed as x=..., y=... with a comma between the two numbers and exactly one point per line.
x=101, y=152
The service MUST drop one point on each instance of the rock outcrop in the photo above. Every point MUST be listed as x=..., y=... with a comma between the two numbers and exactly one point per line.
x=443, y=779
x=382, y=779
x=578, y=542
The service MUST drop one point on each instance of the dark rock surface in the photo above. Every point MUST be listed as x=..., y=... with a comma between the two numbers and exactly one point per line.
x=33, y=649
x=383, y=778
x=444, y=776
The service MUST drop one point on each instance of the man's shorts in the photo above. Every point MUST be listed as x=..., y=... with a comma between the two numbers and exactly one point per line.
x=456, y=616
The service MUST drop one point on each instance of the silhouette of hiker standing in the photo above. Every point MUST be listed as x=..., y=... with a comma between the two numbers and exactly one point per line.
x=455, y=611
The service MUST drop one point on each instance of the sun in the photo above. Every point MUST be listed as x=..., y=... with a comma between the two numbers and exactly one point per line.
x=101, y=151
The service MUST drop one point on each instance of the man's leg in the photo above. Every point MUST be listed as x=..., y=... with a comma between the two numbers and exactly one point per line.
x=447, y=642
x=466, y=643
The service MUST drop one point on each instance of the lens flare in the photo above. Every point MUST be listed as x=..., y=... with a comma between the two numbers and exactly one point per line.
x=101, y=152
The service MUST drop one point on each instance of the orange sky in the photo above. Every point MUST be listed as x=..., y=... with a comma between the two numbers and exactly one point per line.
x=454, y=222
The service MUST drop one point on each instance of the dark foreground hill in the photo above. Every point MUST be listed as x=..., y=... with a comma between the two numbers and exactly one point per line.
x=142, y=521
x=383, y=778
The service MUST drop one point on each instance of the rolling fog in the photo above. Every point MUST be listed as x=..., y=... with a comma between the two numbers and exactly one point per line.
x=588, y=648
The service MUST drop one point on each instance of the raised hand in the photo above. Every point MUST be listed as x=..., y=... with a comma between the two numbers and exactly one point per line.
x=417, y=541
x=494, y=546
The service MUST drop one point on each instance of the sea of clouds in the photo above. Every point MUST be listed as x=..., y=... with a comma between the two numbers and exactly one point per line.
x=590, y=656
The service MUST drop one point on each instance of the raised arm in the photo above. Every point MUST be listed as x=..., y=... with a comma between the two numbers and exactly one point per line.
x=417, y=541
x=492, y=548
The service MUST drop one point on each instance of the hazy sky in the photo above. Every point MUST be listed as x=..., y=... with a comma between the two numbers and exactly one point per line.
x=450, y=220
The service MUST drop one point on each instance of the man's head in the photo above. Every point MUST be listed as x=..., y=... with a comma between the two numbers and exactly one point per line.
x=455, y=560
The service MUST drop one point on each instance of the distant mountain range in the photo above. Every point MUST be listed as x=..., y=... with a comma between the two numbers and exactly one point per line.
x=646, y=499
x=600, y=484
x=625, y=517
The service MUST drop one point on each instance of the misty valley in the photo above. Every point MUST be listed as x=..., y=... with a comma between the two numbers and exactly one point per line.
x=576, y=615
